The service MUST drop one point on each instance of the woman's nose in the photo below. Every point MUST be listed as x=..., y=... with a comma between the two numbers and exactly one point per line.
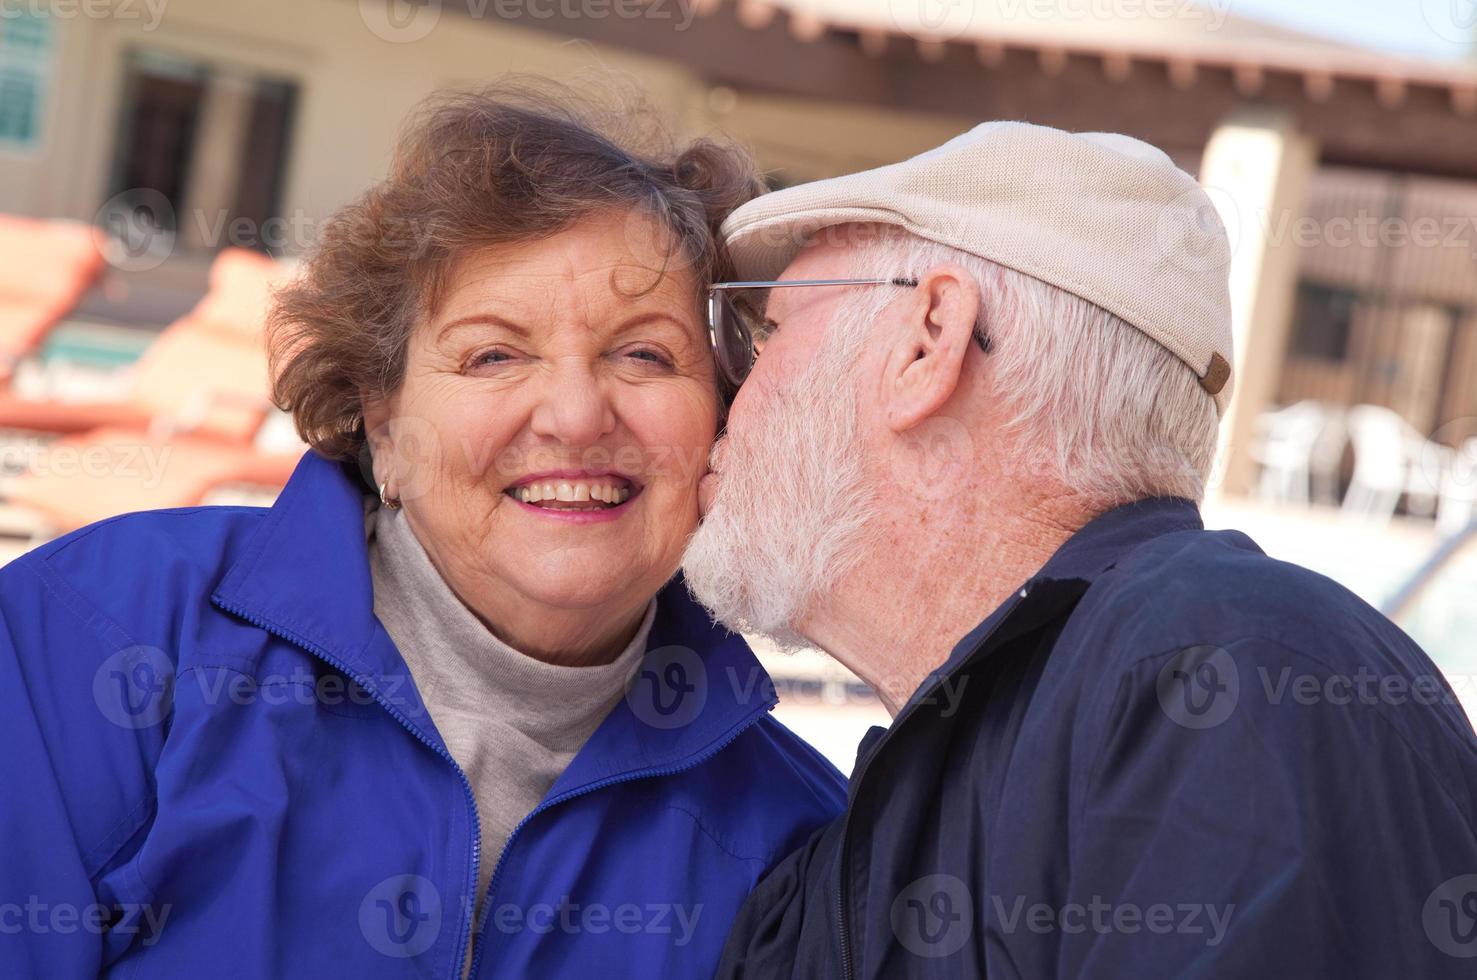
x=573, y=407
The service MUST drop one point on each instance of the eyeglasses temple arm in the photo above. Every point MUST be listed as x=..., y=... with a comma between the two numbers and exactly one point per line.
x=897, y=281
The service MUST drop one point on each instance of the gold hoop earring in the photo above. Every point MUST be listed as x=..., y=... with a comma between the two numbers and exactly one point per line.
x=393, y=503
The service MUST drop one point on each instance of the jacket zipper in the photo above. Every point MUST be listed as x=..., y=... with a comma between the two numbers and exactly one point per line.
x=843, y=927
x=689, y=763
x=461, y=949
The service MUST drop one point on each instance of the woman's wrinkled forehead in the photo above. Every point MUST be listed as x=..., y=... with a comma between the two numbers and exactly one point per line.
x=585, y=273
x=604, y=258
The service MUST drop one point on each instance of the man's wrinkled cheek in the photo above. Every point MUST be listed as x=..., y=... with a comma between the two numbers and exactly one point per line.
x=707, y=490
x=747, y=406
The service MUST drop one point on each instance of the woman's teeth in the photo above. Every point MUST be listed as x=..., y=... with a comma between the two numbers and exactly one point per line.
x=572, y=492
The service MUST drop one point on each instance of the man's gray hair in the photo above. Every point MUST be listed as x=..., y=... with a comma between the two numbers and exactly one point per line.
x=1093, y=401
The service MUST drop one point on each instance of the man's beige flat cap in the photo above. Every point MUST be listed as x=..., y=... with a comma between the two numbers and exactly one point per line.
x=1106, y=217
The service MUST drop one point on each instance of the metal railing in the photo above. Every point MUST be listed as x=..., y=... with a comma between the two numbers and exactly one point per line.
x=1415, y=586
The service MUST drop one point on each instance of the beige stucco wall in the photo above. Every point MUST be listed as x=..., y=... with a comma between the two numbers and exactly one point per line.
x=807, y=139
x=356, y=88
x=1256, y=168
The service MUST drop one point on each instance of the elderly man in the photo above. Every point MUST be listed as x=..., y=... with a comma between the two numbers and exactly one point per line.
x=967, y=465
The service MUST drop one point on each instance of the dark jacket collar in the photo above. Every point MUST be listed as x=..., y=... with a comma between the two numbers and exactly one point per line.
x=304, y=575
x=1055, y=588
x=1100, y=543
x=1094, y=549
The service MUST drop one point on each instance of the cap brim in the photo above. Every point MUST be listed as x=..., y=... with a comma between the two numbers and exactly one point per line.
x=763, y=241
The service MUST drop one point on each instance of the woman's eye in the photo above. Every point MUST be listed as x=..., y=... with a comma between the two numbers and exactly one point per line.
x=489, y=357
x=647, y=354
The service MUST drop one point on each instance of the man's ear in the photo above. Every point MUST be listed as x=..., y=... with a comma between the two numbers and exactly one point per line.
x=926, y=356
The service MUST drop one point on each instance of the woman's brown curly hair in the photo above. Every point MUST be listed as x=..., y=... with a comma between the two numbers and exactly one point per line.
x=498, y=167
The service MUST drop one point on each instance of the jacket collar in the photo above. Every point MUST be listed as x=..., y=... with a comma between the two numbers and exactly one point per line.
x=304, y=575
x=1055, y=589
x=1100, y=543
x=305, y=571
x=1094, y=549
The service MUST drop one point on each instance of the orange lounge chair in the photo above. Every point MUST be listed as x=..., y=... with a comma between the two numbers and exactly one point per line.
x=240, y=293
x=45, y=267
x=82, y=479
x=197, y=402
x=206, y=373
x=195, y=380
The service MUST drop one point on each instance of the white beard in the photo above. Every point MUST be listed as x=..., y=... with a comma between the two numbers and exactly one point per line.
x=792, y=508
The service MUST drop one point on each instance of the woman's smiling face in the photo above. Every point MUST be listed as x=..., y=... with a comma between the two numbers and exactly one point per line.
x=554, y=418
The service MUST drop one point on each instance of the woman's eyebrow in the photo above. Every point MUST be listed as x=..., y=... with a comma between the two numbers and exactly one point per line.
x=482, y=320
x=493, y=320
x=644, y=319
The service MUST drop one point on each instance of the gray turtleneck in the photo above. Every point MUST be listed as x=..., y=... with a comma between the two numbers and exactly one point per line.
x=511, y=722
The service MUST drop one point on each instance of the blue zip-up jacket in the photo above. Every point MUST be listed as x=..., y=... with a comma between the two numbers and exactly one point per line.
x=214, y=762
x=1166, y=756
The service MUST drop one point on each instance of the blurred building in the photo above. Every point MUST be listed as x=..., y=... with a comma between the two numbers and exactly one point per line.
x=227, y=123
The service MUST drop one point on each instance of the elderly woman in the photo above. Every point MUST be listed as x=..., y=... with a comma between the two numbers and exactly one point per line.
x=443, y=710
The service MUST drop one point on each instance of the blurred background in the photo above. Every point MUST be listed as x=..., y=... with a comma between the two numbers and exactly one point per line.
x=163, y=162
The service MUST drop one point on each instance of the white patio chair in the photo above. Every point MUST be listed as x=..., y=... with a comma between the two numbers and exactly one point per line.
x=1285, y=450
x=1458, y=504
x=1392, y=460
x=1326, y=461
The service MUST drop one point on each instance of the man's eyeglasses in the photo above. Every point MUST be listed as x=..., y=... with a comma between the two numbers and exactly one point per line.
x=734, y=324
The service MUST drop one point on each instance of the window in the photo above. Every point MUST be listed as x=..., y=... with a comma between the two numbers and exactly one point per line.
x=1322, y=322
x=25, y=67
x=200, y=148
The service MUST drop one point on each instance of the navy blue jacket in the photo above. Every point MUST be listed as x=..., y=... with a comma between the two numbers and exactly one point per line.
x=214, y=763
x=1166, y=756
